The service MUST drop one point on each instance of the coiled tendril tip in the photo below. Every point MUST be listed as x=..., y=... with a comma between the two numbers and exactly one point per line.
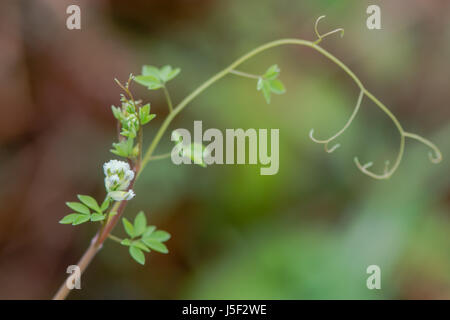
x=332, y=148
x=349, y=121
x=311, y=136
x=319, y=36
x=435, y=159
x=324, y=142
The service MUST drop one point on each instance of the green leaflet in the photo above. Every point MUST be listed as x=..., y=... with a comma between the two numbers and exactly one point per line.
x=137, y=254
x=269, y=83
x=154, y=78
x=143, y=238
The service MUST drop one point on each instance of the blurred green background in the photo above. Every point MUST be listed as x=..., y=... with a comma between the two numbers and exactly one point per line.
x=308, y=232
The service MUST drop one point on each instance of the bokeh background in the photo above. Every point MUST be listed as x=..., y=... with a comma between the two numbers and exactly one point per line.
x=308, y=232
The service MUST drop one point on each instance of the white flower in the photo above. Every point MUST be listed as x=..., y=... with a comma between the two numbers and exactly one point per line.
x=121, y=195
x=118, y=177
x=112, y=182
x=129, y=175
x=130, y=195
x=116, y=166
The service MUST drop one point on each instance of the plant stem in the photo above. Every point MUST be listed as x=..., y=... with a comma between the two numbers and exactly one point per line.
x=169, y=101
x=244, y=74
x=82, y=264
x=161, y=156
x=112, y=210
x=94, y=247
x=114, y=238
x=438, y=155
x=251, y=54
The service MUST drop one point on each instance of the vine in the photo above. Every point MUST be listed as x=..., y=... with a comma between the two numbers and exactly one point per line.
x=132, y=115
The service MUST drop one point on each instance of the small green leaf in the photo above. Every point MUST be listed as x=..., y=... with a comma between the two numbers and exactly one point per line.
x=155, y=245
x=128, y=227
x=129, y=133
x=119, y=150
x=147, y=80
x=266, y=91
x=126, y=242
x=155, y=86
x=151, y=82
x=159, y=235
x=105, y=204
x=150, y=71
x=139, y=244
x=154, y=78
x=172, y=74
x=123, y=148
x=148, y=231
x=164, y=72
x=272, y=73
x=144, y=111
x=116, y=112
x=69, y=219
x=97, y=217
x=144, y=114
x=90, y=202
x=140, y=223
x=82, y=218
x=167, y=73
x=137, y=254
x=266, y=87
x=78, y=207
x=259, y=84
x=129, y=107
x=276, y=86
x=147, y=118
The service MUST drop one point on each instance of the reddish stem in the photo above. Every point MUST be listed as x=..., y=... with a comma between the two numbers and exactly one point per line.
x=96, y=245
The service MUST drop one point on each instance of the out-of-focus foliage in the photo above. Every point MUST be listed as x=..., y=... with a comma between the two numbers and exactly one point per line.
x=309, y=231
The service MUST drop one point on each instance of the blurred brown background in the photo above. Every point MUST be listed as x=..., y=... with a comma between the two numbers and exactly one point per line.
x=308, y=232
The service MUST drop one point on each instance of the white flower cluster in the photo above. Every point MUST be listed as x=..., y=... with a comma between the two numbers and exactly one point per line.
x=118, y=177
